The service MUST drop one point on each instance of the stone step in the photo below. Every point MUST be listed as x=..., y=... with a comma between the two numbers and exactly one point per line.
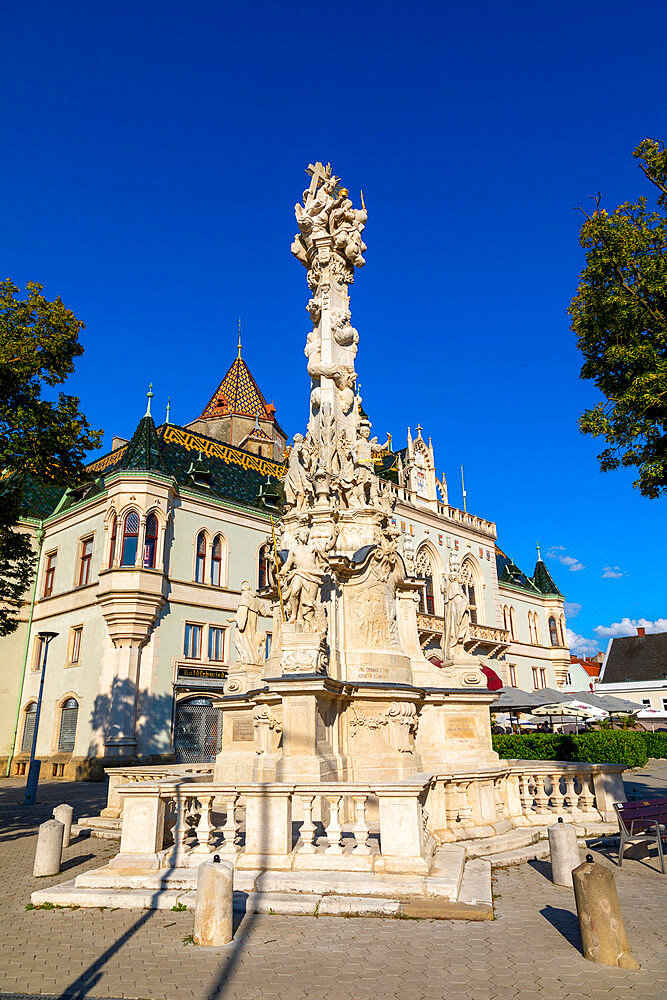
x=487, y=847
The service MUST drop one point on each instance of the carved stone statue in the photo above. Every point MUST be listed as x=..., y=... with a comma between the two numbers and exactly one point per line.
x=457, y=614
x=301, y=578
x=366, y=448
x=249, y=643
x=297, y=483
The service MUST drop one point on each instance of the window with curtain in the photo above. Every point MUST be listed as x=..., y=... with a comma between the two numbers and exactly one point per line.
x=75, y=644
x=130, y=539
x=150, y=541
x=49, y=573
x=28, y=727
x=216, y=643
x=68, y=718
x=536, y=683
x=216, y=562
x=85, y=560
x=114, y=538
x=192, y=641
x=543, y=677
x=553, y=632
x=200, y=558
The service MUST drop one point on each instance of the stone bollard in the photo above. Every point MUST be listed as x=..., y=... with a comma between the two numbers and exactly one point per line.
x=214, y=909
x=64, y=815
x=600, y=921
x=49, y=848
x=564, y=852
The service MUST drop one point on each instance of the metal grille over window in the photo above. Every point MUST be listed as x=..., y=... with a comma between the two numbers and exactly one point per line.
x=68, y=717
x=29, y=728
x=197, y=731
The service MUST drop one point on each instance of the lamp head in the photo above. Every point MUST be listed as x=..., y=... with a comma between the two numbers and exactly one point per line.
x=47, y=636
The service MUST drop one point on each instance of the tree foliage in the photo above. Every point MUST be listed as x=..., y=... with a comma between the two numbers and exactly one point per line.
x=619, y=314
x=39, y=343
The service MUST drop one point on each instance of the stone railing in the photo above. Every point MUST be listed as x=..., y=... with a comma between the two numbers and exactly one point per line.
x=130, y=775
x=478, y=635
x=362, y=827
x=480, y=803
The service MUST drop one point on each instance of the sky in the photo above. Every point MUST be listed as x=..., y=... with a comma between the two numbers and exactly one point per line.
x=153, y=153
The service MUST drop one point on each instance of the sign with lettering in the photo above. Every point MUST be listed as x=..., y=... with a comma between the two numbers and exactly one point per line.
x=199, y=673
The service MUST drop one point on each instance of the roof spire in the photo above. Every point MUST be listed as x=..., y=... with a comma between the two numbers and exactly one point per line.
x=539, y=557
x=168, y=408
x=149, y=396
x=239, y=346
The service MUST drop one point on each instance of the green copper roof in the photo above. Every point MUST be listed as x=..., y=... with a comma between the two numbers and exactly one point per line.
x=543, y=581
x=510, y=574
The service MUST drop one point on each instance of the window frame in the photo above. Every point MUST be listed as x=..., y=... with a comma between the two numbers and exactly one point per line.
x=67, y=707
x=187, y=646
x=536, y=685
x=49, y=572
x=263, y=563
x=85, y=559
x=74, y=645
x=126, y=535
x=216, y=561
x=113, y=540
x=553, y=631
x=512, y=673
x=200, y=557
x=150, y=539
x=32, y=705
x=223, y=643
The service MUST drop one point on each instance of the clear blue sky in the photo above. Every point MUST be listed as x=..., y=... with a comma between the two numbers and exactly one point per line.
x=153, y=153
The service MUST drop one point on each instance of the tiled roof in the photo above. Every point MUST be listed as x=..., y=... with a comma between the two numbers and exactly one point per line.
x=231, y=473
x=543, y=581
x=510, y=574
x=238, y=393
x=39, y=499
x=144, y=453
x=636, y=658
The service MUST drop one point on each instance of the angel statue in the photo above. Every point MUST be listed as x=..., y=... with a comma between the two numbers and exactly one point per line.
x=457, y=612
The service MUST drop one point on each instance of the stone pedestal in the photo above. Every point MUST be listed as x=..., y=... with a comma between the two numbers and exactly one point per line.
x=603, y=934
x=564, y=852
x=214, y=909
x=49, y=848
x=304, y=651
x=64, y=814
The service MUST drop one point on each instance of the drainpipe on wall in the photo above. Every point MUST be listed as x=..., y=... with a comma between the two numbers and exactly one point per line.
x=40, y=541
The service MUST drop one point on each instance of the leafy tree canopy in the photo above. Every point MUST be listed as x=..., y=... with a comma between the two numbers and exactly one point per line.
x=39, y=342
x=619, y=314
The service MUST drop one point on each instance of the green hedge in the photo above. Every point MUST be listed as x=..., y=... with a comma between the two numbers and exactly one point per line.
x=605, y=746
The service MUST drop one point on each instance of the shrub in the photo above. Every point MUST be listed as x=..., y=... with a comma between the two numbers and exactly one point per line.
x=656, y=744
x=609, y=746
x=605, y=746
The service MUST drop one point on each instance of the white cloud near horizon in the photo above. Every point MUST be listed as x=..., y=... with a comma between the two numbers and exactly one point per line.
x=572, y=563
x=628, y=626
x=581, y=646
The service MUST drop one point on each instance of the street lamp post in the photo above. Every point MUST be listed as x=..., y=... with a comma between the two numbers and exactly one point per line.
x=33, y=769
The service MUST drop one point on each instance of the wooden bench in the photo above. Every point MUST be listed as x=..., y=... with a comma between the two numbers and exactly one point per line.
x=642, y=822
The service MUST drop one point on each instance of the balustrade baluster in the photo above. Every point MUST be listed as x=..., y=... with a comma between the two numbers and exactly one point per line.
x=180, y=829
x=334, y=829
x=360, y=828
x=541, y=797
x=230, y=830
x=586, y=796
x=204, y=829
x=307, y=831
x=525, y=793
x=557, y=797
x=571, y=797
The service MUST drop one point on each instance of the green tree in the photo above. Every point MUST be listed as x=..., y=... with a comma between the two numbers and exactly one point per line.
x=39, y=342
x=619, y=314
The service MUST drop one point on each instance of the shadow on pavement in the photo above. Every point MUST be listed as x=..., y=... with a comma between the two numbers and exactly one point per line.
x=566, y=924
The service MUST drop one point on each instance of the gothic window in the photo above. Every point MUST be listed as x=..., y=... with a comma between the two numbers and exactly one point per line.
x=553, y=632
x=216, y=561
x=513, y=623
x=506, y=622
x=29, y=727
x=68, y=719
x=424, y=568
x=200, y=558
x=472, y=601
x=114, y=536
x=563, y=633
x=130, y=539
x=150, y=541
x=263, y=567
x=536, y=629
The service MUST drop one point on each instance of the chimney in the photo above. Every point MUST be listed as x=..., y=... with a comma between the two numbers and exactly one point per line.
x=641, y=632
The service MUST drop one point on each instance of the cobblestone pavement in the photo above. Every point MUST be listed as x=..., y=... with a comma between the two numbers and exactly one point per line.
x=531, y=949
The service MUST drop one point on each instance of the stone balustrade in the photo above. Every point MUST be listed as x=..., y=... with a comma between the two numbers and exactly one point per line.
x=177, y=824
x=128, y=775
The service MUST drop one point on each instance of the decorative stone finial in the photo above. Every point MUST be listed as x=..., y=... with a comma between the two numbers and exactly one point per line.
x=149, y=396
x=168, y=408
x=539, y=557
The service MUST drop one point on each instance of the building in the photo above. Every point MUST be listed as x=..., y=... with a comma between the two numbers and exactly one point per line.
x=635, y=667
x=583, y=672
x=141, y=568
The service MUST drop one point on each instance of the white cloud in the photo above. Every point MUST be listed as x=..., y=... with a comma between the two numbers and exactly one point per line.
x=612, y=573
x=628, y=626
x=581, y=646
x=572, y=563
x=571, y=609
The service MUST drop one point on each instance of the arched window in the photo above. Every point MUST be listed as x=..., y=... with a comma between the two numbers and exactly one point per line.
x=114, y=536
x=264, y=561
x=553, y=632
x=130, y=539
x=532, y=627
x=513, y=623
x=216, y=561
x=473, y=589
x=424, y=568
x=536, y=628
x=200, y=559
x=150, y=542
x=197, y=730
x=28, y=727
x=68, y=716
x=506, y=624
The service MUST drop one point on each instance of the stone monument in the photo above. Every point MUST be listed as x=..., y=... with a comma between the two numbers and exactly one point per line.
x=346, y=692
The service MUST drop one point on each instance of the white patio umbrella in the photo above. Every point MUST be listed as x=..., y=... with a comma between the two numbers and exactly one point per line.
x=652, y=715
x=578, y=709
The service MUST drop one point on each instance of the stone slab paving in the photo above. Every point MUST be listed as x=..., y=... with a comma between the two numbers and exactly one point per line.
x=531, y=949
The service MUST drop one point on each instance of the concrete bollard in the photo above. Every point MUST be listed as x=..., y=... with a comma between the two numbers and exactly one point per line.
x=64, y=815
x=49, y=848
x=214, y=909
x=564, y=852
x=600, y=921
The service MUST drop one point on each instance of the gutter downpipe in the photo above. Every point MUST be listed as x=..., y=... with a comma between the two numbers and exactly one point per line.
x=40, y=542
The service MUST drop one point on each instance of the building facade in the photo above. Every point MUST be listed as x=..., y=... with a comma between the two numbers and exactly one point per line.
x=635, y=667
x=141, y=568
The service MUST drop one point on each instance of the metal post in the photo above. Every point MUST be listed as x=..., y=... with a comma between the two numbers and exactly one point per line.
x=34, y=766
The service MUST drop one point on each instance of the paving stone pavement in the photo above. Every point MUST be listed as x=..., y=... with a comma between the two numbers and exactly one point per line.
x=531, y=949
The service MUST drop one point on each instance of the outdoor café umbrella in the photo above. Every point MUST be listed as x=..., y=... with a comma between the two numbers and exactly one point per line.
x=610, y=703
x=652, y=715
x=570, y=708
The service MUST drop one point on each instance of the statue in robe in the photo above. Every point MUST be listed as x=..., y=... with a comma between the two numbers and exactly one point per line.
x=457, y=614
x=249, y=642
x=297, y=483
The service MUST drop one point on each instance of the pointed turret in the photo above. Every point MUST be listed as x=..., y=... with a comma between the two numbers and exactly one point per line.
x=144, y=453
x=542, y=578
